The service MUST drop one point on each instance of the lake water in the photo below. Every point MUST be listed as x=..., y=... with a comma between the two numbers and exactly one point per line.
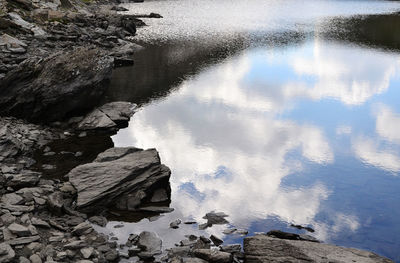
x=274, y=112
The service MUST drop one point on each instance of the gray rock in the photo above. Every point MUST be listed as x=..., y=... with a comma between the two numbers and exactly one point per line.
x=12, y=199
x=213, y=256
x=82, y=229
x=262, y=248
x=156, y=209
x=63, y=83
x=231, y=248
x=98, y=220
x=22, y=240
x=23, y=260
x=96, y=120
x=193, y=260
x=8, y=218
x=87, y=252
x=25, y=178
x=6, y=253
x=76, y=244
x=131, y=173
x=150, y=242
x=19, y=230
x=35, y=258
x=119, y=111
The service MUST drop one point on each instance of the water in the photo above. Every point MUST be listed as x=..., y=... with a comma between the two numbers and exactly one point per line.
x=274, y=112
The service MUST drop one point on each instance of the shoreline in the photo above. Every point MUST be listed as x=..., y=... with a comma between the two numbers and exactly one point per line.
x=58, y=66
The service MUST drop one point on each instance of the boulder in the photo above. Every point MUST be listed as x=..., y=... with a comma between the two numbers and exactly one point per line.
x=65, y=83
x=116, y=176
x=263, y=248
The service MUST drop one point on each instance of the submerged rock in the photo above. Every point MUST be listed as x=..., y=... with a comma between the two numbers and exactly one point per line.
x=262, y=248
x=117, y=176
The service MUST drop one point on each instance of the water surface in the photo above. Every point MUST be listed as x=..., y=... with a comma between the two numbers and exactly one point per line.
x=274, y=112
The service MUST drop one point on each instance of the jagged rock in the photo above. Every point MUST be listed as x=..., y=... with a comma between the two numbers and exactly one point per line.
x=83, y=228
x=213, y=256
x=98, y=220
x=149, y=242
x=6, y=253
x=131, y=173
x=12, y=199
x=17, y=19
x=290, y=236
x=216, y=240
x=22, y=240
x=55, y=202
x=216, y=218
x=262, y=248
x=35, y=258
x=49, y=89
x=7, y=218
x=77, y=244
x=107, y=116
x=87, y=252
x=19, y=230
x=25, y=178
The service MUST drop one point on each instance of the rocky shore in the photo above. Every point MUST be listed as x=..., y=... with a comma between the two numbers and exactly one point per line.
x=60, y=175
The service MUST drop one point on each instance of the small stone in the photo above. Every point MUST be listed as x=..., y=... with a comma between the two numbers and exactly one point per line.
x=39, y=201
x=75, y=244
x=87, y=252
x=55, y=202
x=216, y=240
x=175, y=224
x=35, y=258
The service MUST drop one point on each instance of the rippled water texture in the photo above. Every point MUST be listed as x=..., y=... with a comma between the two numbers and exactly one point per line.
x=300, y=126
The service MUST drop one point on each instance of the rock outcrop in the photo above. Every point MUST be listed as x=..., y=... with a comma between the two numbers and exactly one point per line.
x=56, y=87
x=119, y=177
x=263, y=248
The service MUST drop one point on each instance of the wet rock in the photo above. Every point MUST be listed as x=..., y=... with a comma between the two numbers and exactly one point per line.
x=213, y=256
x=48, y=90
x=175, y=224
x=216, y=218
x=135, y=172
x=216, y=240
x=98, y=220
x=150, y=242
x=262, y=248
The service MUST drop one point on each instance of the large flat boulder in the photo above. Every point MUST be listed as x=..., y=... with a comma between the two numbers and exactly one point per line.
x=262, y=248
x=61, y=85
x=119, y=177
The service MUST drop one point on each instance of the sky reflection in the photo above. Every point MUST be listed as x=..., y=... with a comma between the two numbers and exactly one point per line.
x=299, y=135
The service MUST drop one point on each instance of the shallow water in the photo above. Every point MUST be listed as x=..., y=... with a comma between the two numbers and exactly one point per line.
x=294, y=122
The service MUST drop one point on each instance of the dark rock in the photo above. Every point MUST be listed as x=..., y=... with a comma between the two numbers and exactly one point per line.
x=25, y=178
x=123, y=62
x=55, y=202
x=19, y=230
x=309, y=229
x=262, y=248
x=216, y=240
x=50, y=89
x=155, y=15
x=232, y=248
x=119, y=8
x=216, y=218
